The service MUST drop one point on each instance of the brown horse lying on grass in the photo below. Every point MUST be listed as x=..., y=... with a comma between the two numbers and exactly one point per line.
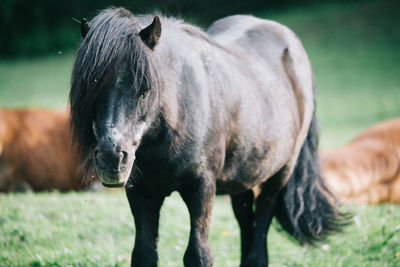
x=367, y=170
x=36, y=151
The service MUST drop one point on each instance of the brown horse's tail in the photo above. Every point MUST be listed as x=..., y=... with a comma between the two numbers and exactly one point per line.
x=306, y=208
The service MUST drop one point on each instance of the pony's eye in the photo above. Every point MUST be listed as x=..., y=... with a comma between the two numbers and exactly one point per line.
x=94, y=126
x=144, y=93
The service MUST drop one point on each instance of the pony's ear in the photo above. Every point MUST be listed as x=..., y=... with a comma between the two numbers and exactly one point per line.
x=84, y=27
x=151, y=33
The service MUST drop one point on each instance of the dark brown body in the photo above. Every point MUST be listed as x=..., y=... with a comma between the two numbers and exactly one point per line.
x=36, y=151
x=201, y=113
x=366, y=170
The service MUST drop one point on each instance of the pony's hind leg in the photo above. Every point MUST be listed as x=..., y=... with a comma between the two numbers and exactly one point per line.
x=242, y=205
x=146, y=212
x=199, y=197
x=265, y=211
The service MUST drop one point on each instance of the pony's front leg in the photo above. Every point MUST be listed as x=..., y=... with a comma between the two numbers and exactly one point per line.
x=199, y=197
x=146, y=213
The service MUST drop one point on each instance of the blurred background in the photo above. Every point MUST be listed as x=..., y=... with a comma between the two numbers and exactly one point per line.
x=354, y=48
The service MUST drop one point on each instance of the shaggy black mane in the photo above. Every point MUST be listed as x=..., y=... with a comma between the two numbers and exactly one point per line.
x=112, y=41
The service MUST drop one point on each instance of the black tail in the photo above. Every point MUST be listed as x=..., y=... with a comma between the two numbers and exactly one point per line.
x=306, y=208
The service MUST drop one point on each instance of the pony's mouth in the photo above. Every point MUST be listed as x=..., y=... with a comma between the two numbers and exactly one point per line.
x=114, y=185
x=113, y=179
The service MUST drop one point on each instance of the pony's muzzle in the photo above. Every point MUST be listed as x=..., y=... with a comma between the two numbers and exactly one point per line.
x=111, y=164
x=113, y=160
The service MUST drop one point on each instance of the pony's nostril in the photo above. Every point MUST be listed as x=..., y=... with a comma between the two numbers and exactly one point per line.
x=98, y=159
x=124, y=157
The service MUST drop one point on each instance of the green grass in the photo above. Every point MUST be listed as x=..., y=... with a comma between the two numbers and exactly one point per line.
x=96, y=229
x=355, y=55
x=40, y=82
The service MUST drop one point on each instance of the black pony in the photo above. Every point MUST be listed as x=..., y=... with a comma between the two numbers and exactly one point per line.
x=227, y=111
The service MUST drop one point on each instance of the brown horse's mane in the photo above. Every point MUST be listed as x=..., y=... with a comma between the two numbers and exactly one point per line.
x=36, y=151
x=366, y=170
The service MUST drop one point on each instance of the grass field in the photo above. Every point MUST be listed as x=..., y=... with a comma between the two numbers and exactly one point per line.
x=96, y=229
x=355, y=56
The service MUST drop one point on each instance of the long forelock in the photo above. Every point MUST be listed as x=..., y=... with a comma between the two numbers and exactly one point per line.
x=111, y=42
